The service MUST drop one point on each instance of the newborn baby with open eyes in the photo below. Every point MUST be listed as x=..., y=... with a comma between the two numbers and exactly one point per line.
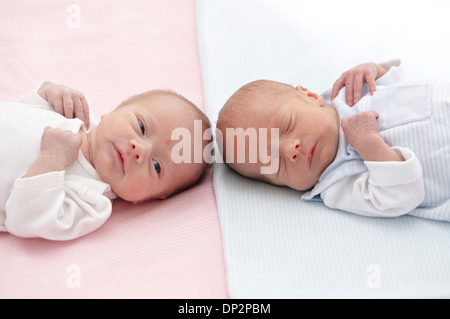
x=379, y=147
x=61, y=169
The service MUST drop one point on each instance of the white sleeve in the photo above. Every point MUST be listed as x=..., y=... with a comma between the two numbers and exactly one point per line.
x=387, y=189
x=391, y=63
x=56, y=206
x=33, y=97
x=395, y=73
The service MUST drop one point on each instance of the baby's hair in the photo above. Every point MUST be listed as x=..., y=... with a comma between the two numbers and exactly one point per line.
x=238, y=106
x=196, y=112
x=249, y=94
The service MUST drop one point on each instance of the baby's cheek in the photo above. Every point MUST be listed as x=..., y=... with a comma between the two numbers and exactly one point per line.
x=104, y=164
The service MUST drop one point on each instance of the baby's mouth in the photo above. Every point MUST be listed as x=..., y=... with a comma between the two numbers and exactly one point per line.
x=121, y=159
x=122, y=162
x=311, y=155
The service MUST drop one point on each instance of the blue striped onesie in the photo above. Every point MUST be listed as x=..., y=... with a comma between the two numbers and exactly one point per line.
x=414, y=114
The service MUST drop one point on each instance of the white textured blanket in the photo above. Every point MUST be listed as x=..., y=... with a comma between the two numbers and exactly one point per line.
x=275, y=245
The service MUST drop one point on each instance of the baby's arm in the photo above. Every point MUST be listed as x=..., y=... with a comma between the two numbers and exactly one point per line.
x=66, y=101
x=354, y=79
x=58, y=149
x=386, y=189
x=46, y=202
x=361, y=132
x=392, y=185
x=56, y=206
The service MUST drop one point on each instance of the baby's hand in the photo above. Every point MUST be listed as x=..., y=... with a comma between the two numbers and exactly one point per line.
x=354, y=79
x=66, y=101
x=60, y=147
x=361, y=129
x=361, y=132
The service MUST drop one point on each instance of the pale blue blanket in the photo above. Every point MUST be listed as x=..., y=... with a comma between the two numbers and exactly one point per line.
x=275, y=245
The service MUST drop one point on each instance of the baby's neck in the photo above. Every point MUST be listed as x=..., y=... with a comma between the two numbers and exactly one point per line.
x=86, y=146
x=335, y=117
x=336, y=122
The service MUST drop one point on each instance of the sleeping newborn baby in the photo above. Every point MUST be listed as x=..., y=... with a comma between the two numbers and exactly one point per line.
x=379, y=148
x=61, y=169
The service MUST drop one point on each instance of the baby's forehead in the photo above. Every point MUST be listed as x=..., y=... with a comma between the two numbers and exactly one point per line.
x=264, y=113
x=170, y=104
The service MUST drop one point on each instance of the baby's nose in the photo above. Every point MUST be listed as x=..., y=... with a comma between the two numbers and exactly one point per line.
x=291, y=148
x=140, y=150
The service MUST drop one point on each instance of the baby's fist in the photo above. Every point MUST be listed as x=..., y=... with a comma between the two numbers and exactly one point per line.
x=359, y=129
x=60, y=146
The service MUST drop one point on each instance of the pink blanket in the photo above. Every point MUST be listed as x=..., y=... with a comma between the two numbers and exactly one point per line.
x=110, y=50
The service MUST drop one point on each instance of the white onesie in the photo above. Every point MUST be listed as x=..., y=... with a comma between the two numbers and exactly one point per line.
x=59, y=205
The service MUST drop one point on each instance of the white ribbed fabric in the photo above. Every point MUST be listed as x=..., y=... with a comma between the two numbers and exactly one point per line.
x=275, y=245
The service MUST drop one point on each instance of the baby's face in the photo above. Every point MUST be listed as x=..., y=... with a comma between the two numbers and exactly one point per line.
x=308, y=139
x=131, y=149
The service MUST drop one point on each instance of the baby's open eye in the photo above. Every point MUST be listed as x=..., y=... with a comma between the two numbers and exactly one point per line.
x=157, y=166
x=142, y=127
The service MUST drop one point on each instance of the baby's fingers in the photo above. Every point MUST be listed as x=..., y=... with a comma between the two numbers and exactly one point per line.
x=81, y=110
x=371, y=83
x=58, y=104
x=68, y=105
x=349, y=91
x=357, y=89
x=85, y=112
x=375, y=114
x=337, y=86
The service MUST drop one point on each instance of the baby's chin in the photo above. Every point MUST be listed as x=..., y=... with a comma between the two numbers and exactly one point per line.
x=302, y=188
x=303, y=185
x=137, y=200
x=295, y=186
x=131, y=197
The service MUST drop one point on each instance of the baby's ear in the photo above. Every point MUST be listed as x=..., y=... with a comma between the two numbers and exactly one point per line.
x=300, y=88
x=311, y=95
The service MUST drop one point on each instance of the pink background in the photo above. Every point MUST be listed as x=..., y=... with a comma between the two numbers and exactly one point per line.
x=160, y=249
